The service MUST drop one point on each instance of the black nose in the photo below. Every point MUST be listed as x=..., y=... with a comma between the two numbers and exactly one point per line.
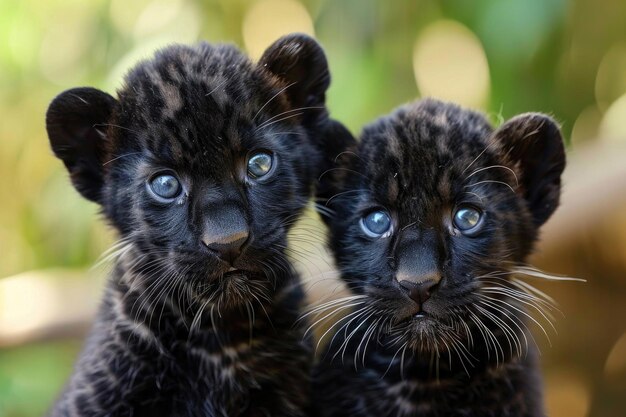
x=227, y=247
x=419, y=291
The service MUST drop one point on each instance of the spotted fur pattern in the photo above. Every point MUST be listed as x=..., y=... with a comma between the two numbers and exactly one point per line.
x=467, y=350
x=181, y=332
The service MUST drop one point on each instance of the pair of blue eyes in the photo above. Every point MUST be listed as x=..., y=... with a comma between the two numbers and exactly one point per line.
x=168, y=187
x=378, y=223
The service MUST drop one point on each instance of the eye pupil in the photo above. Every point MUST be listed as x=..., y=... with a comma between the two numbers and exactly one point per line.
x=259, y=164
x=376, y=224
x=166, y=186
x=466, y=218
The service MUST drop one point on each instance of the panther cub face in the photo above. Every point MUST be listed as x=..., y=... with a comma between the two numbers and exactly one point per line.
x=203, y=161
x=433, y=212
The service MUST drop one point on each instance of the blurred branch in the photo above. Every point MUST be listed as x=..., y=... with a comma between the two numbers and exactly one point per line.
x=593, y=187
x=44, y=305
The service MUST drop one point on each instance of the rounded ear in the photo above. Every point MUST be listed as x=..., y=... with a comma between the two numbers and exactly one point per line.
x=76, y=123
x=534, y=145
x=299, y=61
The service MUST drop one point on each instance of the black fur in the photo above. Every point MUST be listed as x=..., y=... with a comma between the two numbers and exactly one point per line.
x=185, y=330
x=440, y=325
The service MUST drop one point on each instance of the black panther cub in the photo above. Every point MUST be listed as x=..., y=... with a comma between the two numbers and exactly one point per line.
x=202, y=163
x=434, y=213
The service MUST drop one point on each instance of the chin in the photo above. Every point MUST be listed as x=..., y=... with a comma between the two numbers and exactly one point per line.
x=424, y=333
x=423, y=329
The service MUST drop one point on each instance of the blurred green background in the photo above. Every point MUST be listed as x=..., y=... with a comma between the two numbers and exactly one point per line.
x=566, y=58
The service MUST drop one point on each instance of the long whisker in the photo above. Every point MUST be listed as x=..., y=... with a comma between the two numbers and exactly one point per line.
x=266, y=122
x=476, y=159
x=263, y=126
x=272, y=98
x=534, y=272
x=495, y=166
x=491, y=181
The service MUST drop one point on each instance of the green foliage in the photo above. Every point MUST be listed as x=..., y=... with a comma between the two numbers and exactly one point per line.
x=31, y=377
x=543, y=55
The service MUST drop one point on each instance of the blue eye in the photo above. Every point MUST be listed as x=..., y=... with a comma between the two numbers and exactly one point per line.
x=376, y=224
x=166, y=186
x=467, y=219
x=260, y=164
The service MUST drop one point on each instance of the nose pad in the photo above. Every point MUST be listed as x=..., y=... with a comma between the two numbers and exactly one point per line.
x=419, y=291
x=227, y=247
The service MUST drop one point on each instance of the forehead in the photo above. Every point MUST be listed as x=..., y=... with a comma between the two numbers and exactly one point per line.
x=424, y=152
x=195, y=105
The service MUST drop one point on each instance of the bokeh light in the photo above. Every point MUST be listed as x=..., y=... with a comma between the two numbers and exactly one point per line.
x=64, y=43
x=18, y=315
x=23, y=36
x=33, y=302
x=159, y=24
x=267, y=20
x=563, y=57
x=568, y=395
x=613, y=124
x=611, y=76
x=174, y=19
x=616, y=361
x=586, y=125
x=450, y=63
x=124, y=14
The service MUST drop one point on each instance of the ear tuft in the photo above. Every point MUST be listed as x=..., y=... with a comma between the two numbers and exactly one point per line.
x=75, y=122
x=535, y=146
x=300, y=62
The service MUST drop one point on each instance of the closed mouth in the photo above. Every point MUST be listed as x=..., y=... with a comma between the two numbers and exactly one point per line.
x=418, y=316
x=234, y=272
